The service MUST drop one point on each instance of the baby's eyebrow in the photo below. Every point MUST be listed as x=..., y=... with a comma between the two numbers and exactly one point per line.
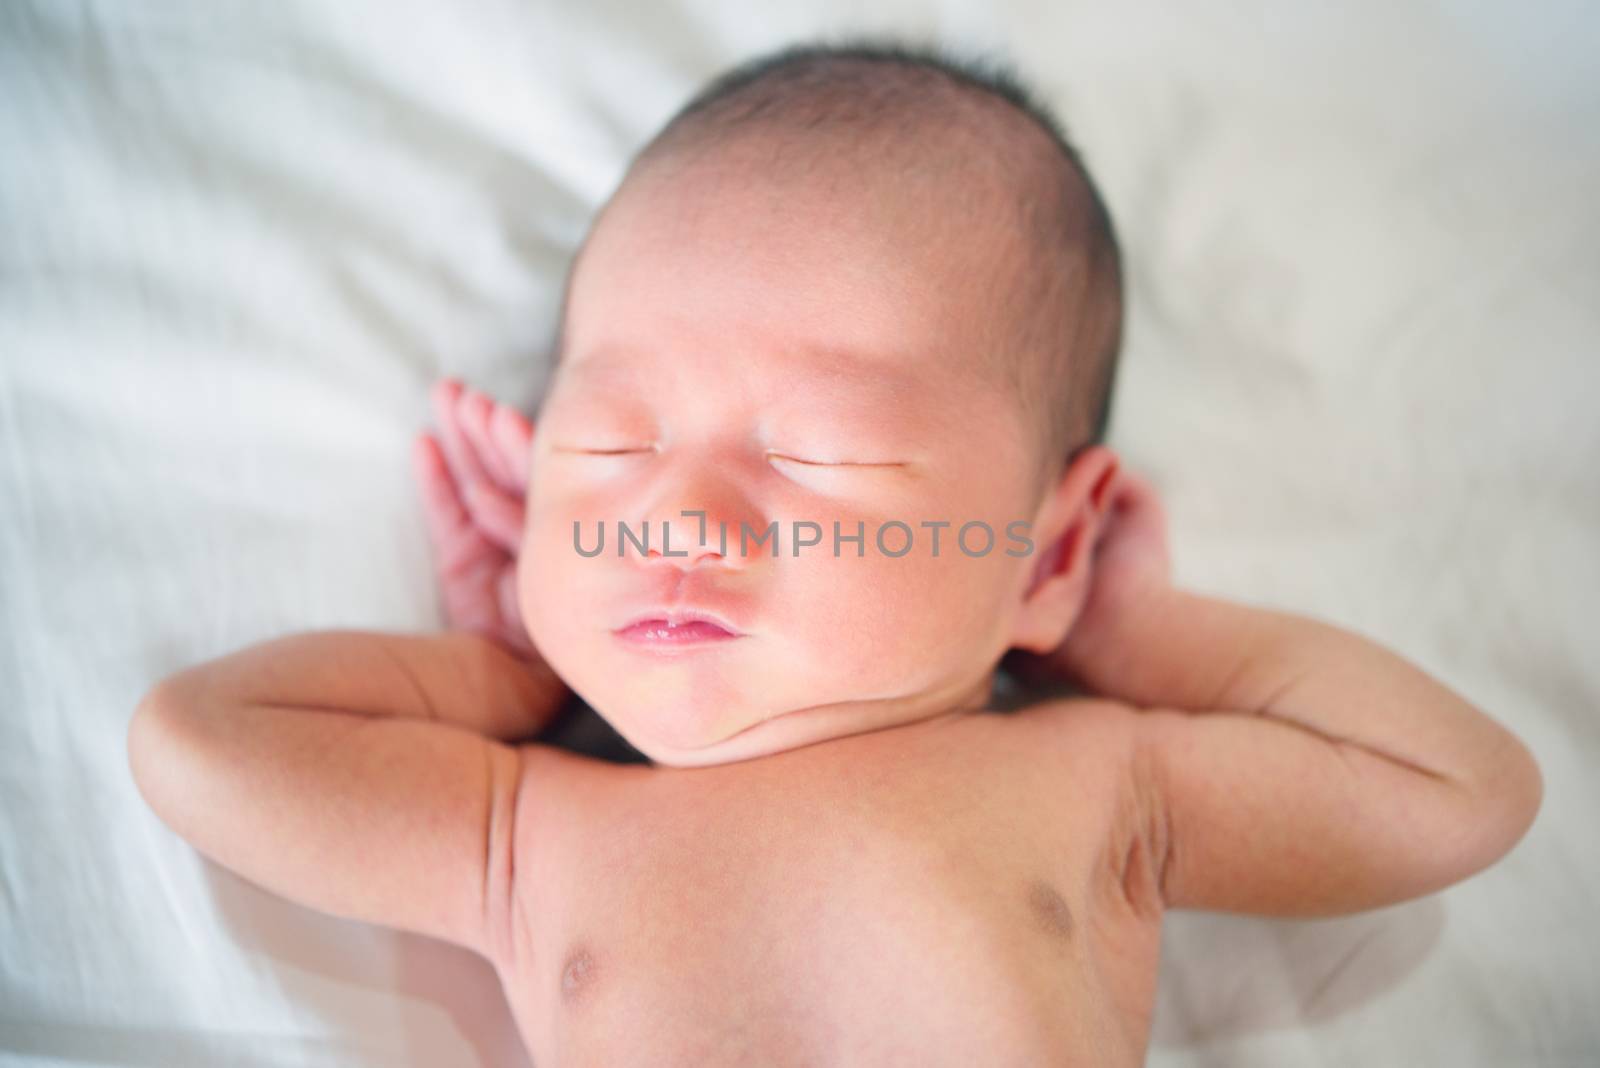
x=821, y=372
x=606, y=364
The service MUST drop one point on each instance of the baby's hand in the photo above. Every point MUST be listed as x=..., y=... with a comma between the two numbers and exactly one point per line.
x=1131, y=562
x=1130, y=573
x=472, y=494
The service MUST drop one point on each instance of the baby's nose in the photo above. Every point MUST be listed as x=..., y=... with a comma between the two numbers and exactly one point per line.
x=687, y=555
x=697, y=512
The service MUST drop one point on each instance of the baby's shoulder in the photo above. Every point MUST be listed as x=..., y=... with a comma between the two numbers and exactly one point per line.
x=1087, y=763
x=1082, y=720
x=1093, y=753
x=1079, y=755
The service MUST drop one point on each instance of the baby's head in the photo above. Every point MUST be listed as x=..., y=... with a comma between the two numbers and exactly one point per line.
x=859, y=288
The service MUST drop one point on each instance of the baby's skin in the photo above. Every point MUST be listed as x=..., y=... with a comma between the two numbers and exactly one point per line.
x=839, y=854
x=969, y=888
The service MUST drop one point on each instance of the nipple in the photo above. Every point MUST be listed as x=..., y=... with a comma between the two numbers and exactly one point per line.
x=576, y=976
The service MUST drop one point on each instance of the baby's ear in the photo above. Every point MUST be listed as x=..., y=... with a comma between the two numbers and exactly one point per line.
x=1065, y=529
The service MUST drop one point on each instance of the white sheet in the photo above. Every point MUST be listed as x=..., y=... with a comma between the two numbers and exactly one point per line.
x=237, y=242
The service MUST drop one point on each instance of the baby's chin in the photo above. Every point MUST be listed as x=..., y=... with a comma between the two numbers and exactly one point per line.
x=665, y=726
x=757, y=697
x=696, y=735
x=701, y=707
x=694, y=732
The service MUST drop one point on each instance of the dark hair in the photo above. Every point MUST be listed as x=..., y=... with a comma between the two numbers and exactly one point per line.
x=861, y=86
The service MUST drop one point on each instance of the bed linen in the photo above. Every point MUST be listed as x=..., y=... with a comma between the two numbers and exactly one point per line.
x=239, y=241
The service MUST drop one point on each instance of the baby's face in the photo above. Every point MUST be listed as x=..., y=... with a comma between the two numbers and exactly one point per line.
x=773, y=354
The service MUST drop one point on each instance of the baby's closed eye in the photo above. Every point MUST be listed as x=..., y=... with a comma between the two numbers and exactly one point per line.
x=603, y=449
x=814, y=462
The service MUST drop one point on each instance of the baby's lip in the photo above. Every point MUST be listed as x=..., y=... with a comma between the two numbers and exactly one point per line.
x=676, y=632
x=709, y=623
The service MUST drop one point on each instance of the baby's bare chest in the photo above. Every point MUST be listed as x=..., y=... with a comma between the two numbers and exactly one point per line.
x=809, y=912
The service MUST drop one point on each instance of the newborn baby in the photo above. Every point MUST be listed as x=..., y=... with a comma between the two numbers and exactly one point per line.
x=852, y=308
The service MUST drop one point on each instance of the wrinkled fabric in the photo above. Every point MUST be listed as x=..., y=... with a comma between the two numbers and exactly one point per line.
x=239, y=241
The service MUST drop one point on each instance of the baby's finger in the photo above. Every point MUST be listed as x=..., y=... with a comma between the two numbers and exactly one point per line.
x=514, y=436
x=1136, y=530
x=473, y=410
x=450, y=529
x=458, y=451
x=498, y=515
x=1143, y=507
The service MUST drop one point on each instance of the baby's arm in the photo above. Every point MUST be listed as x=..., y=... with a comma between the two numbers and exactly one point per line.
x=1296, y=768
x=1304, y=770
x=355, y=773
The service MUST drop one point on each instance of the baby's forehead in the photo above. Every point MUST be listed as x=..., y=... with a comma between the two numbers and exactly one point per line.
x=796, y=366
x=779, y=380
x=918, y=255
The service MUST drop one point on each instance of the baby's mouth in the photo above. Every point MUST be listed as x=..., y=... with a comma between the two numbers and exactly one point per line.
x=660, y=630
x=676, y=630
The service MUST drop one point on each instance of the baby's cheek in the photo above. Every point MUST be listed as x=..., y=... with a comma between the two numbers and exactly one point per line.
x=888, y=621
x=549, y=576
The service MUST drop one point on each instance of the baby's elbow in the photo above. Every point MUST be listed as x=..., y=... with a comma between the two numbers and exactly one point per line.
x=1523, y=790
x=149, y=733
x=157, y=741
x=1506, y=798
